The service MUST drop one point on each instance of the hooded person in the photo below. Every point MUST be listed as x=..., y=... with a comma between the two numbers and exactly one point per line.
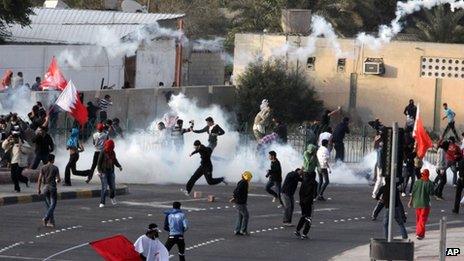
x=308, y=192
x=150, y=247
x=74, y=147
x=99, y=139
x=420, y=200
x=106, y=162
x=240, y=198
x=262, y=120
x=310, y=161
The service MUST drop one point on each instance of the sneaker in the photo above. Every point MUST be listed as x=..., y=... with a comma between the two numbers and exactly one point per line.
x=410, y=194
x=237, y=233
x=225, y=182
x=101, y=205
x=87, y=180
x=51, y=225
x=274, y=200
x=419, y=237
x=297, y=234
x=244, y=233
x=185, y=192
x=113, y=201
x=455, y=185
x=373, y=196
x=373, y=218
x=406, y=237
x=304, y=237
x=454, y=211
x=321, y=198
x=403, y=194
x=44, y=222
x=439, y=198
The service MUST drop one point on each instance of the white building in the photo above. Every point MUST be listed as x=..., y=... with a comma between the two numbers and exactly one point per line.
x=72, y=36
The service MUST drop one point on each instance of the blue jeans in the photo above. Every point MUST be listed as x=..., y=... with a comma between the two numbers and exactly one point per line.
x=242, y=220
x=278, y=186
x=399, y=221
x=50, y=195
x=107, y=179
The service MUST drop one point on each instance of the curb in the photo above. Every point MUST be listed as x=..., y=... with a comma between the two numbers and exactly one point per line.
x=11, y=200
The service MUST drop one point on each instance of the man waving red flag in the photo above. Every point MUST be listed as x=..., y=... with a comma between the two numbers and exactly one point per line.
x=69, y=101
x=53, y=79
x=423, y=140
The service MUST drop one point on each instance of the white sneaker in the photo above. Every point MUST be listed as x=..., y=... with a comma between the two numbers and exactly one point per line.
x=403, y=194
x=273, y=200
x=113, y=201
x=185, y=192
x=101, y=206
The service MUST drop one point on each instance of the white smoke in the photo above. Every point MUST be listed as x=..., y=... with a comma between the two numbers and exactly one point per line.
x=403, y=9
x=17, y=100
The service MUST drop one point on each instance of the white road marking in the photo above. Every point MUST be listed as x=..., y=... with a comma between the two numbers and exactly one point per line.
x=154, y=205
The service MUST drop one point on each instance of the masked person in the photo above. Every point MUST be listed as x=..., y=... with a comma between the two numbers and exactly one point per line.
x=106, y=162
x=420, y=200
x=20, y=150
x=308, y=192
x=240, y=199
x=150, y=247
x=288, y=190
x=206, y=168
x=74, y=147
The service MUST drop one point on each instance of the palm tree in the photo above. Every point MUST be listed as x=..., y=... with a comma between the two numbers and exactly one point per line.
x=439, y=25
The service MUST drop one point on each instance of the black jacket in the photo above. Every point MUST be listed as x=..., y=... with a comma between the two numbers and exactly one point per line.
x=340, y=131
x=291, y=183
x=281, y=131
x=308, y=189
x=275, y=173
x=218, y=131
x=43, y=144
x=384, y=194
x=410, y=110
x=241, y=192
x=205, y=154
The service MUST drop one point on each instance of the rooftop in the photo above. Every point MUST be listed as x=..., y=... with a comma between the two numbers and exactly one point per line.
x=71, y=26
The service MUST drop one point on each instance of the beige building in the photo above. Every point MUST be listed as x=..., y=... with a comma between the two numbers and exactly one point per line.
x=371, y=83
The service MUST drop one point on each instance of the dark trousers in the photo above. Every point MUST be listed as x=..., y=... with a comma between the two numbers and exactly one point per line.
x=50, y=195
x=96, y=154
x=378, y=207
x=450, y=127
x=212, y=145
x=38, y=158
x=278, y=186
x=289, y=204
x=103, y=116
x=409, y=175
x=323, y=176
x=107, y=180
x=203, y=170
x=305, y=219
x=457, y=197
x=339, y=151
x=440, y=181
x=17, y=176
x=179, y=241
x=71, y=166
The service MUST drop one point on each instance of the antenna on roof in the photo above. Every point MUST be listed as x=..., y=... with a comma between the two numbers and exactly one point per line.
x=131, y=6
x=57, y=4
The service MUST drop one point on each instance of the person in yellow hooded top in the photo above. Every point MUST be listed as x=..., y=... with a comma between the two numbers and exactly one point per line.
x=240, y=199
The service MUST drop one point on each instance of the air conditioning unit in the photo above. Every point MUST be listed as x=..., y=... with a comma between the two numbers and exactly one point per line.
x=374, y=66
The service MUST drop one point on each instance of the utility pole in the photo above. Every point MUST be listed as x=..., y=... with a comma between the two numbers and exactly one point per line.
x=394, y=158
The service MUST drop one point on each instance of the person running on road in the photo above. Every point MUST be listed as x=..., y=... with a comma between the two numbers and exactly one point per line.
x=275, y=177
x=323, y=156
x=459, y=186
x=449, y=115
x=420, y=200
x=288, y=190
x=150, y=247
x=308, y=192
x=106, y=162
x=399, y=210
x=213, y=131
x=43, y=146
x=206, y=168
x=440, y=179
x=176, y=224
x=240, y=199
x=20, y=151
x=49, y=177
x=99, y=139
x=74, y=147
x=338, y=137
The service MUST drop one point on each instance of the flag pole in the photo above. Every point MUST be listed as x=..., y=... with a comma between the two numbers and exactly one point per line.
x=66, y=250
x=394, y=158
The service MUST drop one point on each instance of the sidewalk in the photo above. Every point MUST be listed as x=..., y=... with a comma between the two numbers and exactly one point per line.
x=79, y=189
x=426, y=249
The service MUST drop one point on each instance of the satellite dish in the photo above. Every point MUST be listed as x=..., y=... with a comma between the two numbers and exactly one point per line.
x=130, y=6
x=58, y=4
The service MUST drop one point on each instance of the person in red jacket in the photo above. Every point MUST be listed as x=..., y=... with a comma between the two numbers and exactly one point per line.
x=453, y=156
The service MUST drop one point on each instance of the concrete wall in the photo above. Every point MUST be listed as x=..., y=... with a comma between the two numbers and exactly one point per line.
x=378, y=96
x=137, y=107
x=205, y=68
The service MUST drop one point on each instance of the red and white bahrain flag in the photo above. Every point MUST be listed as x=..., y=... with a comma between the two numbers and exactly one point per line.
x=54, y=78
x=423, y=140
x=69, y=101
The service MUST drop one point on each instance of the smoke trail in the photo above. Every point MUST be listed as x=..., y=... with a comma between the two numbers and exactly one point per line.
x=403, y=9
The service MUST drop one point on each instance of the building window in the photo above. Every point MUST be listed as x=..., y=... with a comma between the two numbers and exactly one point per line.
x=341, y=64
x=310, y=63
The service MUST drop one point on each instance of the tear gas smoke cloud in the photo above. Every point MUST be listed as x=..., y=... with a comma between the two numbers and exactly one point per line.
x=17, y=100
x=145, y=161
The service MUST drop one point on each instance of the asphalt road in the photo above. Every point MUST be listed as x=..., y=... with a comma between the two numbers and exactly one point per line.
x=339, y=224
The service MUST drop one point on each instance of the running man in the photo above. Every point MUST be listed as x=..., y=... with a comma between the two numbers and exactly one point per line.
x=49, y=177
x=275, y=177
x=449, y=115
x=206, y=168
x=213, y=131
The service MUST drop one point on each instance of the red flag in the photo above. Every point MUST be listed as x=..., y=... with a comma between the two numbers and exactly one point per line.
x=69, y=101
x=116, y=248
x=6, y=80
x=53, y=79
x=423, y=140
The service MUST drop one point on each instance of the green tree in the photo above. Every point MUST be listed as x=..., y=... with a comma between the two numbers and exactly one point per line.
x=439, y=25
x=290, y=95
x=13, y=11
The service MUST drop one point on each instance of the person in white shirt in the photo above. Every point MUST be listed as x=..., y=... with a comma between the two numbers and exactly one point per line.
x=149, y=247
x=323, y=156
x=327, y=135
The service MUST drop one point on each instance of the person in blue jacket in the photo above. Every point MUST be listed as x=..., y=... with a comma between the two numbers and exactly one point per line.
x=176, y=224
